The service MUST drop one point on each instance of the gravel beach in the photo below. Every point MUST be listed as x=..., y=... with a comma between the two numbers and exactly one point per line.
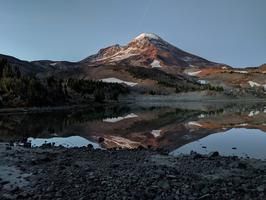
x=85, y=173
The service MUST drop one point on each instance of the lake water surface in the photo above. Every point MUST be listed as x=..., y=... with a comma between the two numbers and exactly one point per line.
x=230, y=128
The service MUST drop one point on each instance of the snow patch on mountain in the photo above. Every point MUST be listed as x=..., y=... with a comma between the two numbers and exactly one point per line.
x=253, y=84
x=116, y=80
x=123, y=54
x=193, y=73
x=53, y=64
x=253, y=113
x=244, y=124
x=156, y=64
x=241, y=72
x=147, y=35
x=117, y=119
x=156, y=133
x=189, y=59
x=201, y=116
x=194, y=124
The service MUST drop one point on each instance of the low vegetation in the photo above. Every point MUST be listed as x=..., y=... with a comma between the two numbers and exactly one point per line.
x=178, y=82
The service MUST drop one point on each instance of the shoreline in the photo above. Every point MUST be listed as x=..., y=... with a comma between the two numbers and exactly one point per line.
x=28, y=110
x=85, y=173
x=138, y=100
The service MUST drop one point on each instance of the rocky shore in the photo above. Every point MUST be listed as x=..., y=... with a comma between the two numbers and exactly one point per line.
x=84, y=173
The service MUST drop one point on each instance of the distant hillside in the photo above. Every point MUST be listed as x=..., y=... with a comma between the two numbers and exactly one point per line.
x=24, y=66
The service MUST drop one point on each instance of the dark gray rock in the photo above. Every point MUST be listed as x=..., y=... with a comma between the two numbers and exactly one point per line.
x=214, y=154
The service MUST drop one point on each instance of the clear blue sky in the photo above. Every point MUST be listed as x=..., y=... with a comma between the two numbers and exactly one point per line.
x=227, y=31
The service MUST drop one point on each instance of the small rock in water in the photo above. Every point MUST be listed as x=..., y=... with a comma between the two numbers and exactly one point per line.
x=197, y=156
x=27, y=145
x=11, y=143
x=46, y=145
x=204, y=147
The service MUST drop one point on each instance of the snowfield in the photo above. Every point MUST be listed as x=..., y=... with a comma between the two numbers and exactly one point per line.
x=156, y=64
x=193, y=73
x=241, y=72
x=116, y=80
x=53, y=64
x=253, y=84
x=253, y=113
x=201, y=116
x=117, y=119
x=120, y=55
x=156, y=133
x=194, y=124
x=148, y=35
x=245, y=124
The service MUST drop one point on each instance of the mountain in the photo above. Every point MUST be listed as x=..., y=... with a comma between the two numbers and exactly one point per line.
x=146, y=50
x=149, y=64
x=24, y=66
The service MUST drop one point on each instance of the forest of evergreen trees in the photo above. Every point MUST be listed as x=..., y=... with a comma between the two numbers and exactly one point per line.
x=98, y=89
x=17, y=90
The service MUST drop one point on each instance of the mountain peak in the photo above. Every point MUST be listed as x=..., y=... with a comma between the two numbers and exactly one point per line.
x=147, y=35
x=143, y=51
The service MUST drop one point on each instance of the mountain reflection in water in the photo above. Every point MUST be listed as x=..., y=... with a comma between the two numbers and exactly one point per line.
x=178, y=127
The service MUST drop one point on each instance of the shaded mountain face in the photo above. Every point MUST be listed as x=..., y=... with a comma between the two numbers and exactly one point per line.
x=263, y=67
x=147, y=50
x=24, y=66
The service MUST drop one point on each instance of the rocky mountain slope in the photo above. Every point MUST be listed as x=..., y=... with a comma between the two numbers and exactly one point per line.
x=149, y=64
x=147, y=50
